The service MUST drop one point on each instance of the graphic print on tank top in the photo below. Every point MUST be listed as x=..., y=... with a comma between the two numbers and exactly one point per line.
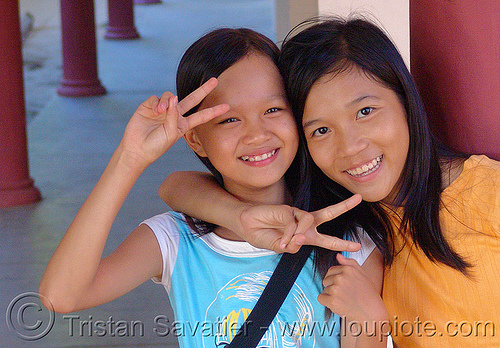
x=290, y=327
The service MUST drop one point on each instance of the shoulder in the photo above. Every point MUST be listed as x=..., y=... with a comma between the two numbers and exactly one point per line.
x=480, y=168
x=480, y=174
x=169, y=227
x=167, y=222
x=474, y=197
x=482, y=164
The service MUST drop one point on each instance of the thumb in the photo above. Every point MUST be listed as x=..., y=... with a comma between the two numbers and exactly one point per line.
x=345, y=261
x=334, y=243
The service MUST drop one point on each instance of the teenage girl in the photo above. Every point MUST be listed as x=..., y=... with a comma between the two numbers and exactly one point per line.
x=359, y=112
x=244, y=131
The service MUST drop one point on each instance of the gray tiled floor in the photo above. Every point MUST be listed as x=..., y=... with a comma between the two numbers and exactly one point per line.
x=70, y=142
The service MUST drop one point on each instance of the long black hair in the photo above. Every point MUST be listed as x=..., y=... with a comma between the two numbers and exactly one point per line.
x=331, y=45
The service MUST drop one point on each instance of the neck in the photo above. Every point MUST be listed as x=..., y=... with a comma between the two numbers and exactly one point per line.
x=450, y=171
x=274, y=194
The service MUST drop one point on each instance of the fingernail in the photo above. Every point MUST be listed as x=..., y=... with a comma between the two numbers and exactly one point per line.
x=176, y=100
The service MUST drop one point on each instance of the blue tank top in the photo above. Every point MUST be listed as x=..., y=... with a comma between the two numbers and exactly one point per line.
x=214, y=283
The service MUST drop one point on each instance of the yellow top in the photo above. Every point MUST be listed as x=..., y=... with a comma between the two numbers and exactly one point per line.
x=433, y=305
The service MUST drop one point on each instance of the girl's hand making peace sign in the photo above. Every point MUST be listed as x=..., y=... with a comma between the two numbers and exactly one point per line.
x=283, y=228
x=155, y=126
x=158, y=123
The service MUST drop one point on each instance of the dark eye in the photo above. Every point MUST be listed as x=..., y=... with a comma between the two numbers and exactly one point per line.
x=321, y=131
x=228, y=120
x=364, y=112
x=272, y=110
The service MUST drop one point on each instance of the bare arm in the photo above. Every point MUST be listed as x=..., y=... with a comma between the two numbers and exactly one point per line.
x=281, y=228
x=198, y=194
x=76, y=276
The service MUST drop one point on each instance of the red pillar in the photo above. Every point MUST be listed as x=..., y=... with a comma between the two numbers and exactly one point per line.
x=79, y=50
x=16, y=186
x=455, y=59
x=121, y=20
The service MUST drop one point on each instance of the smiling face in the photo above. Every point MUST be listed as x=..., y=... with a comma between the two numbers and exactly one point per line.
x=357, y=133
x=254, y=143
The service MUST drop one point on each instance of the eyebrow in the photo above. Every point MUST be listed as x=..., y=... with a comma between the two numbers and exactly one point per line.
x=361, y=98
x=348, y=104
x=277, y=97
x=309, y=123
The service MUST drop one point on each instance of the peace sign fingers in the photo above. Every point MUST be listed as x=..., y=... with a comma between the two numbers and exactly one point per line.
x=194, y=98
x=197, y=96
x=331, y=212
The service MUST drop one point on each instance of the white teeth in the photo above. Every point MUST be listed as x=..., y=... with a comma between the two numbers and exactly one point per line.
x=365, y=169
x=258, y=158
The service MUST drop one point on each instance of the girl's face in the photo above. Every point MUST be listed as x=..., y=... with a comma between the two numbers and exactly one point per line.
x=254, y=143
x=357, y=133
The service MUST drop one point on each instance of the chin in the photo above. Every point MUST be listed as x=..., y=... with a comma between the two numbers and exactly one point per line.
x=370, y=196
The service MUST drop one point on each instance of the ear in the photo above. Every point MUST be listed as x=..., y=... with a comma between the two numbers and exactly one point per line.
x=194, y=143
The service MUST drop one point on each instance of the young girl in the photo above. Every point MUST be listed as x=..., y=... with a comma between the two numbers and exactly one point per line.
x=213, y=279
x=359, y=112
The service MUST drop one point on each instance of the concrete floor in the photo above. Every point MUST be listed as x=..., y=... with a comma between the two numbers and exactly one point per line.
x=70, y=141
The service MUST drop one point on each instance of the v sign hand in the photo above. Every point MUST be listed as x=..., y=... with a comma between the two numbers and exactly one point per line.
x=285, y=229
x=311, y=235
x=158, y=123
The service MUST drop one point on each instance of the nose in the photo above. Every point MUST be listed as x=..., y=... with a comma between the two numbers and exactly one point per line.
x=256, y=133
x=350, y=141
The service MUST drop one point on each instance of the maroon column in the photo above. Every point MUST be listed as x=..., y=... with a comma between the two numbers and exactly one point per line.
x=121, y=20
x=16, y=186
x=79, y=50
x=455, y=59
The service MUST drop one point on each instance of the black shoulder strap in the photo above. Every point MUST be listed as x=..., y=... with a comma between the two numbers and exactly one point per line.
x=275, y=292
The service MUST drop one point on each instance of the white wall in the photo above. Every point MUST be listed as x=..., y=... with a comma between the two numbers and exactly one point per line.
x=392, y=15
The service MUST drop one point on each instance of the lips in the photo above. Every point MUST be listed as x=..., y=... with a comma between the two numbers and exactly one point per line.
x=366, y=168
x=258, y=158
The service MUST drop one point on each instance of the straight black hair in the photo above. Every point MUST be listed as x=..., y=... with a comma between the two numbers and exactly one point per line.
x=328, y=46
